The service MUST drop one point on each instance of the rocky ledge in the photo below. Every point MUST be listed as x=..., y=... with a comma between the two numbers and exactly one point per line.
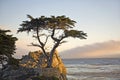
x=33, y=67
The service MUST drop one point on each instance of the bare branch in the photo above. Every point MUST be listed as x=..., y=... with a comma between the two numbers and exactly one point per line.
x=32, y=44
x=46, y=39
x=39, y=38
x=63, y=42
x=52, y=36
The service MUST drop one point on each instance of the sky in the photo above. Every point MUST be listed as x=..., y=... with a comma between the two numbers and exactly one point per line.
x=100, y=19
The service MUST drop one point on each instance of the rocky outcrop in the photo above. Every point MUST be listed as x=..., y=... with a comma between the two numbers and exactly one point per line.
x=37, y=60
x=34, y=64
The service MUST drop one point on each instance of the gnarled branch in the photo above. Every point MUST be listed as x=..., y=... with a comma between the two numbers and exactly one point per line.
x=52, y=36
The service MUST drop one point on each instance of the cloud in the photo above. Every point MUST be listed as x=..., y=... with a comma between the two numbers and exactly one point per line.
x=109, y=49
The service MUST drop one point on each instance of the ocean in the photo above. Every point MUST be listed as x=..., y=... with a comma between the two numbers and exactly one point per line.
x=93, y=69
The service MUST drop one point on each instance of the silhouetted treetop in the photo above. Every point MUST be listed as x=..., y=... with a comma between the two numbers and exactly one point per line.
x=59, y=22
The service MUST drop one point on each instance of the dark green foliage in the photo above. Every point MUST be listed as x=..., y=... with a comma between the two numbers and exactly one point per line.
x=7, y=47
x=59, y=22
x=13, y=61
x=75, y=34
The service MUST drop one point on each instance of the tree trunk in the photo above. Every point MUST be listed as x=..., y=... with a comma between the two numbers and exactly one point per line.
x=52, y=53
x=51, y=58
x=42, y=47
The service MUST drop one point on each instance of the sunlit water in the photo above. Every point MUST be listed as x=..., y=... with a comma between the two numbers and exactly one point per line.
x=93, y=69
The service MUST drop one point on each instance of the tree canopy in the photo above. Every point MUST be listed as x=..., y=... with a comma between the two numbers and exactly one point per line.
x=55, y=27
x=7, y=47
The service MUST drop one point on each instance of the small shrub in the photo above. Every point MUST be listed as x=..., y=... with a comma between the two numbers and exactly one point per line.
x=13, y=61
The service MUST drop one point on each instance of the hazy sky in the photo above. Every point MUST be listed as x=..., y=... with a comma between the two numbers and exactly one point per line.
x=100, y=19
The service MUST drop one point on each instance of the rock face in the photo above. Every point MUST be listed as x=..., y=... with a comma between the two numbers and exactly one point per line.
x=37, y=60
x=34, y=64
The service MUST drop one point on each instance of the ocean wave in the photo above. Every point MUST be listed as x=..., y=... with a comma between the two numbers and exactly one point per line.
x=96, y=70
